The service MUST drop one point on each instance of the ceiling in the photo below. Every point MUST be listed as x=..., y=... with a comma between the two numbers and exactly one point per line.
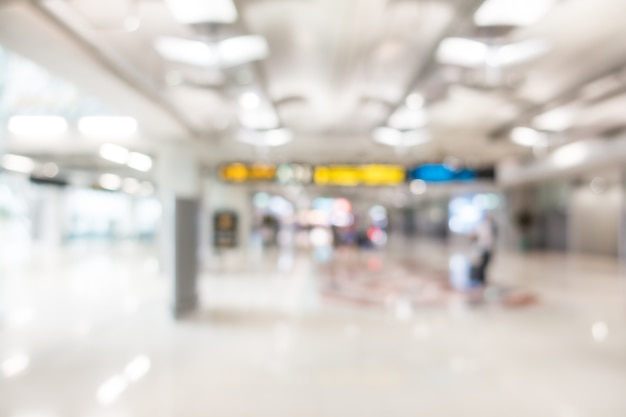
x=336, y=70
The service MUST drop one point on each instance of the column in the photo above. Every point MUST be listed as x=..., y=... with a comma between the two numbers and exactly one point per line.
x=179, y=187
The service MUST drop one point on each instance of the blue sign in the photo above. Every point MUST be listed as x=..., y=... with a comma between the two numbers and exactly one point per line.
x=440, y=173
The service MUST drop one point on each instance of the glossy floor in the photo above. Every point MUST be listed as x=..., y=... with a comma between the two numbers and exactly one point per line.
x=85, y=332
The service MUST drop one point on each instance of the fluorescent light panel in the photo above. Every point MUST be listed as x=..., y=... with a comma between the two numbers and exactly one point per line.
x=512, y=12
x=110, y=182
x=18, y=163
x=463, y=52
x=273, y=137
x=261, y=119
x=394, y=137
x=37, y=126
x=406, y=119
x=556, y=120
x=186, y=51
x=139, y=161
x=242, y=49
x=107, y=126
x=471, y=53
x=525, y=136
x=520, y=52
x=227, y=53
x=203, y=11
x=114, y=153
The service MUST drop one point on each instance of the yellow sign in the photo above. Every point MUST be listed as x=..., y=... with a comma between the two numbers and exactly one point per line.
x=350, y=176
x=242, y=173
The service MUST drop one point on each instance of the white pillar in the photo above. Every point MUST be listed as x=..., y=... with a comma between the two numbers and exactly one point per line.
x=179, y=187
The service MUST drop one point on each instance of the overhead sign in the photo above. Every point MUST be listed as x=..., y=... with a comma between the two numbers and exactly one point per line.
x=346, y=175
x=440, y=173
x=354, y=175
x=238, y=172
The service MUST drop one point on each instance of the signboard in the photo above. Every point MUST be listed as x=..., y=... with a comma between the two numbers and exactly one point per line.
x=240, y=173
x=354, y=175
x=225, y=228
x=440, y=173
x=346, y=175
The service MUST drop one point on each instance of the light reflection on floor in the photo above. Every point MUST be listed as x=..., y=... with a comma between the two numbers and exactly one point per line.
x=87, y=333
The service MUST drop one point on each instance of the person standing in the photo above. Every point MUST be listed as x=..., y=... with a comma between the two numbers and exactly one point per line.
x=485, y=241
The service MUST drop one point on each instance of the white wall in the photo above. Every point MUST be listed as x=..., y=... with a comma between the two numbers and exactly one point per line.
x=594, y=221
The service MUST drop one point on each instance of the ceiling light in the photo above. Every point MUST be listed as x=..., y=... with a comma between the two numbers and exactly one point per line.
x=262, y=119
x=520, y=52
x=111, y=389
x=525, y=136
x=139, y=161
x=249, y=100
x=186, y=51
x=227, y=53
x=242, y=49
x=107, y=126
x=18, y=163
x=462, y=52
x=406, y=119
x=394, y=137
x=414, y=101
x=110, y=182
x=114, y=153
x=272, y=137
x=197, y=11
x=555, y=120
x=511, y=12
x=137, y=368
x=570, y=155
x=37, y=126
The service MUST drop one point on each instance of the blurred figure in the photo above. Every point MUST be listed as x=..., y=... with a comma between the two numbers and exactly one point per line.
x=484, y=239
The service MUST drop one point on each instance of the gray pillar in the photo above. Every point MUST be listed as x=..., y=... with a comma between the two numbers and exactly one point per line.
x=179, y=181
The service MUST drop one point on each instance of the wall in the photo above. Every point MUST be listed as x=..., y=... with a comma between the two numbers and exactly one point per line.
x=595, y=220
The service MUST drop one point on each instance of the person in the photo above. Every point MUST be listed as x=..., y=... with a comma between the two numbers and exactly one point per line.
x=484, y=241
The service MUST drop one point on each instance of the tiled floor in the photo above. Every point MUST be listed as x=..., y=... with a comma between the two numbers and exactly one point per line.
x=85, y=332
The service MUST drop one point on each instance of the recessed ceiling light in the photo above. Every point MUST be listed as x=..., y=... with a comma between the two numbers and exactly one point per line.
x=114, y=153
x=228, y=53
x=414, y=101
x=260, y=119
x=272, y=137
x=249, y=100
x=462, y=52
x=406, y=119
x=242, y=49
x=525, y=136
x=512, y=12
x=555, y=120
x=394, y=137
x=198, y=11
x=107, y=126
x=187, y=51
x=18, y=163
x=110, y=182
x=37, y=126
x=139, y=161
x=520, y=52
